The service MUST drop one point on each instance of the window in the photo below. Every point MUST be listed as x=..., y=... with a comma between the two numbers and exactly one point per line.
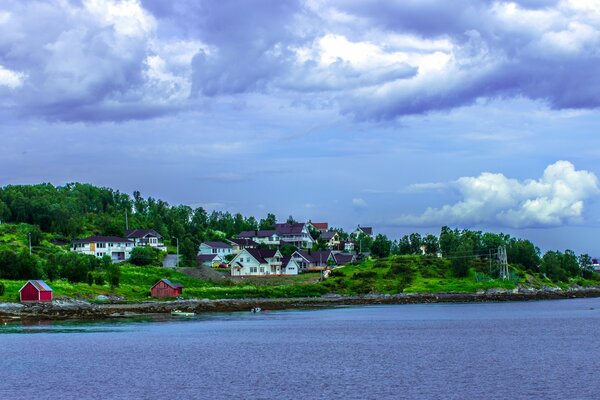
x=101, y=245
x=252, y=269
x=262, y=270
x=214, y=251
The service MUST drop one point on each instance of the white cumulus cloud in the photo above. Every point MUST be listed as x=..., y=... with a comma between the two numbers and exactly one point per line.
x=557, y=198
x=359, y=203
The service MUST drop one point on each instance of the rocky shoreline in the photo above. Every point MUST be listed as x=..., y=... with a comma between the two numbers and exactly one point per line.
x=76, y=309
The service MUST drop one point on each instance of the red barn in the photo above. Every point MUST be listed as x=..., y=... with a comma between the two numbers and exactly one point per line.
x=35, y=291
x=166, y=288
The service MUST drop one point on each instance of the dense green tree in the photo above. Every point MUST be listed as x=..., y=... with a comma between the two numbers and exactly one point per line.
x=381, y=246
x=146, y=255
x=431, y=243
x=268, y=223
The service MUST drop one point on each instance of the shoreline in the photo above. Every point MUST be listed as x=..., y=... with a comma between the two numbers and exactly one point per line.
x=76, y=309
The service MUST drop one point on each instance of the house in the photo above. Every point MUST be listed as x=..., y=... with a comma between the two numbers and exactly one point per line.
x=210, y=260
x=117, y=248
x=362, y=230
x=146, y=237
x=348, y=246
x=320, y=260
x=268, y=237
x=35, y=291
x=289, y=266
x=220, y=248
x=166, y=288
x=332, y=239
x=238, y=245
x=297, y=234
x=257, y=262
x=313, y=260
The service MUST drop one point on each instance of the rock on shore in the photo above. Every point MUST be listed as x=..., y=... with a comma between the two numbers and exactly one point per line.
x=75, y=309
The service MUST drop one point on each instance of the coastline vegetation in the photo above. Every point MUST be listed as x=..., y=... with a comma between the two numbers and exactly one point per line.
x=37, y=223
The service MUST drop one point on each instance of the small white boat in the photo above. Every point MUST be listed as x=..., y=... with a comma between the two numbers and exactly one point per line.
x=179, y=313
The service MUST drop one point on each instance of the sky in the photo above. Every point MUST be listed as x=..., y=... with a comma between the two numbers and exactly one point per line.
x=401, y=115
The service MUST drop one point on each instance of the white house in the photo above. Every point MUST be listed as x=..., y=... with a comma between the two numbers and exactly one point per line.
x=362, y=230
x=253, y=262
x=220, y=248
x=296, y=234
x=268, y=237
x=332, y=239
x=146, y=237
x=238, y=244
x=210, y=260
x=117, y=248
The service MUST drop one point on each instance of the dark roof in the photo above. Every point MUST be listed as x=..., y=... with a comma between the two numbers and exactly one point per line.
x=251, y=234
x=168, y=282
x=286, y=260
x=328, y=235
x=289, y=229
x=322, y=226
x=41, y=286
x=343, y=258
x=244, y=242
x=366, y=229
x=261, y=254
x=315, y=256
x=206, y=257
x=102, y=239
x=141, y=233
x=218, y=245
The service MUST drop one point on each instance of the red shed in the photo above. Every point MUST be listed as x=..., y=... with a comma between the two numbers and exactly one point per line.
x=35, y=291
x=166, y=288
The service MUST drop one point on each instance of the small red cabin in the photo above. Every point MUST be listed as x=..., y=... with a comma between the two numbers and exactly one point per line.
x=166, y=288
x=35, y=291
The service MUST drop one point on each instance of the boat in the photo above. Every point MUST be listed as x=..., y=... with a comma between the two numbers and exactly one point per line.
x=179, y=313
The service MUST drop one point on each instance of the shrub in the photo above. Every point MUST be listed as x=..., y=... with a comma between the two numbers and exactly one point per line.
x=379, y=264
x=336, y=272
x=142, y=256
x=365, y=275
x=1, y=288
x=99, y=279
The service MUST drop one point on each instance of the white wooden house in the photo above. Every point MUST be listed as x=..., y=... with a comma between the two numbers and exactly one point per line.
x=117, y=248
x=257, y=262
x=220, y=248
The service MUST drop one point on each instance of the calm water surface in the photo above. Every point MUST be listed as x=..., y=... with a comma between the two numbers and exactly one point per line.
x=542, y=350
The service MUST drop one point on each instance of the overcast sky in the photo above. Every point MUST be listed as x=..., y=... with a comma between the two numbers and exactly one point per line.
x=404, y=115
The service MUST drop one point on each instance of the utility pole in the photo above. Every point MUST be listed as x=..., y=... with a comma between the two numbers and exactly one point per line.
x=177, y=262
x=29, y=236
x=126, y=221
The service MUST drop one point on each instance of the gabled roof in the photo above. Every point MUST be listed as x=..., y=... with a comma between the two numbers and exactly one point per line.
x=343, y=258
x=142, y=233
x=207, y=257
x=40, y=285
x=322, y=226
x=256, y=233
x=328, y=235
x=102, y=239
x=289, y=229
x=367, y=230
x=260, y=255
x=217, y=245
x=169, y=283
x=315, y=256
x=244, y=242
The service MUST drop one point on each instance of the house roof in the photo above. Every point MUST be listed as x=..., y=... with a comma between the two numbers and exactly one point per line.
x=261, y=254
x=102, y=239
x=256, y=233
x=218, y=245
x=289, y=229
x=40, y=285
x=141, y=233
x=315, y=256
x=328, y=235
x=322, y=226
x=207, y=257
x=366, y=229
x=171, y=284
x=343, y=258
x=244, y=242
